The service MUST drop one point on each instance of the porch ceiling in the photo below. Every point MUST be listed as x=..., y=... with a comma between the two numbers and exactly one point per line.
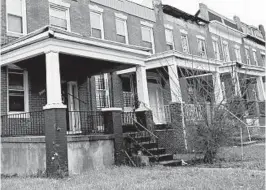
x=52, y=39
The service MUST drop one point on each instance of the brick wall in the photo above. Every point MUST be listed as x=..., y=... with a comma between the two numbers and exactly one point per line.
x=3, y=90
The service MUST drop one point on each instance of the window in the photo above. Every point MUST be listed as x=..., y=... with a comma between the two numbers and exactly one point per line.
x=247, y=55
x=102, y=91
x=202, y=47
x=184, y=42
x=17, y=91
x=255, y=57
x=226, y=51
x=59, y=16
x=216, y=49
x=121, y=28
x=237, y=53
x=263, y=58
x=169, y=39
x=147, y=35
x=96, y=25
x=16, y=17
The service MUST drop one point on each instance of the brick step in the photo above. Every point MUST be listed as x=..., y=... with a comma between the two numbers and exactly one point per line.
x=161, y=157
x=171, y=163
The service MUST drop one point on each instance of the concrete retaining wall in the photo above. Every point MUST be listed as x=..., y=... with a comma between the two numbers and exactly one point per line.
x=25, y=156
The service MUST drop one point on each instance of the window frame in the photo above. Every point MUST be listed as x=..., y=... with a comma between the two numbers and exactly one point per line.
x=97, y=10
x=262, y=54
x=25, y=90
x=247, y=55
x=23, y=20
x=122, y=18
x=170, y=29
x=106, y=90
x=228, y=51
x=149, y=26
x=202, y=39
x=237, y=47
x=183, y=32
x=60, y=6
x=215, y=41
x=254, y=53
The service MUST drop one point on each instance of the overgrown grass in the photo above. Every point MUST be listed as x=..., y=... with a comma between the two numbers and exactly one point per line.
x=230, y=157
x=147, y=178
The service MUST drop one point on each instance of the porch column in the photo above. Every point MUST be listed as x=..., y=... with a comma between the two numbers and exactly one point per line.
x=55, y=120
x=142, y=88
x=53, y=81
x=218, y=93
x=174, y=83
x=260, y=89
x=235, y=79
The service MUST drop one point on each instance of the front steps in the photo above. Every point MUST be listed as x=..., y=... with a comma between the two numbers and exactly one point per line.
x=150, y=147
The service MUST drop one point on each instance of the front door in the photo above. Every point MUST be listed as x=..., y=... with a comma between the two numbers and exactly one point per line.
x=73, y=107
x=156, y=101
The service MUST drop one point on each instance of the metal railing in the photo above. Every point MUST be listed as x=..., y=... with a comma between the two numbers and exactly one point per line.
x=85, y=122
x=22, y=124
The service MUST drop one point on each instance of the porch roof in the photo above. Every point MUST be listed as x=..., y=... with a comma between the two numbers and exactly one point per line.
x=51, y=38
x=242, y=68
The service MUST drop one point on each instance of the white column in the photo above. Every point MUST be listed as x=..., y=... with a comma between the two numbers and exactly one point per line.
x=175, y=89
x=142, y=88
x=53, y=81
x=217, y=86
x=235, y=80
x=260, y=89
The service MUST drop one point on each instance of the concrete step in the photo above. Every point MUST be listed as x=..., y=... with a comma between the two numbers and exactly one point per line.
x=155, y=151
x=161, y=157
x=171, y=163
x=147, y=145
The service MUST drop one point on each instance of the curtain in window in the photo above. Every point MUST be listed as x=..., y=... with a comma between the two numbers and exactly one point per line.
x=95, y=19
x=146, y=34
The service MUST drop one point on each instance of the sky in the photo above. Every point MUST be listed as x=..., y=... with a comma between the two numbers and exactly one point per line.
x=251, y=12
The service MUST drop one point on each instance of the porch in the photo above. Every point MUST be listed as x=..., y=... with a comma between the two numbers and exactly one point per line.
x=53, y=82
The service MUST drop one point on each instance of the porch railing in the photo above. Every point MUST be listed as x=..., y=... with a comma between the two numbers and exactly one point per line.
x=194, y=111
x=128, y=118
x=128, y=98
x=22, y=124
x=85, y=122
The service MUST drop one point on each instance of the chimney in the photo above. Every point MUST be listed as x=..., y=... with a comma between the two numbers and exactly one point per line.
x=261, y=28
x=203, y=12
x=238, y=23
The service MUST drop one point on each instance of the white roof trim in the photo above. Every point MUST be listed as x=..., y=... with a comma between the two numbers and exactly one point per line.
x=168, y=26
x=148, y=24
x=214, y=38
x=183, y=31
x=200, y=37
x=59, y=3
x=225, y=42
x=95, y=8
x=121, y=16
x=237, y=46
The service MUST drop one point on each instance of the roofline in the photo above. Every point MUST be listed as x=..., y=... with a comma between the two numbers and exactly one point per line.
x=173, y=12
x=53, y=32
